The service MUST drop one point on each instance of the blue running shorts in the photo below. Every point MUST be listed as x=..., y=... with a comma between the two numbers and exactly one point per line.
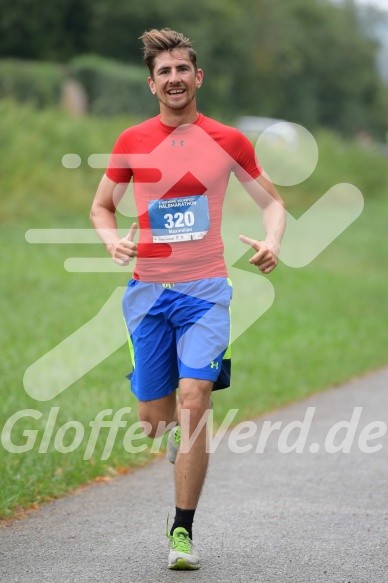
x=177, y=330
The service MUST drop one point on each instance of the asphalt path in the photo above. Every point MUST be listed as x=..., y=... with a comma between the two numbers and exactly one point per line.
x=264, y=516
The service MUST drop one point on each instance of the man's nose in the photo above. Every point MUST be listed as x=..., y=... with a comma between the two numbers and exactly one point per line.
x=175, y=76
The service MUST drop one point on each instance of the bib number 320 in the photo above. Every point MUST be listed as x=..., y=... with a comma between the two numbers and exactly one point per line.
x=184, y=218
x=179, y=220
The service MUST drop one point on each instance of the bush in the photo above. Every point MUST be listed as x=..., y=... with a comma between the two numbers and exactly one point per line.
x=114, y=88
x=37, y=83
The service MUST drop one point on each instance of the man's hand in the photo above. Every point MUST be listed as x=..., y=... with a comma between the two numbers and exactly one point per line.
x=265, y=257
x=125, y=249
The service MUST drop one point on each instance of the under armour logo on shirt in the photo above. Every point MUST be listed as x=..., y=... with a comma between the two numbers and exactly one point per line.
x=174, y=142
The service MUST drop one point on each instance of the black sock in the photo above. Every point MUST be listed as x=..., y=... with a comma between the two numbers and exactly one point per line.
x=185, y=519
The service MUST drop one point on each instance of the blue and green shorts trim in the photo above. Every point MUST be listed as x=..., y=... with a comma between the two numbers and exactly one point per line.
x=179, y=330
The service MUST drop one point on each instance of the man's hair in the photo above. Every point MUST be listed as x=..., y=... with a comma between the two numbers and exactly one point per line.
x=157, y=41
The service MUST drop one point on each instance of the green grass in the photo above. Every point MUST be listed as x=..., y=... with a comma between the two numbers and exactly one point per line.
x=327, y=323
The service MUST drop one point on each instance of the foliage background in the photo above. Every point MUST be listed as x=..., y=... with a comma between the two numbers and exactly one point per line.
x=313, y=63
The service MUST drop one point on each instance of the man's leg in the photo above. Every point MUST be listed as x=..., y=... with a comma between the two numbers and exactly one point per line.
x=156, y=411
x=190, y=469
x=191, y=463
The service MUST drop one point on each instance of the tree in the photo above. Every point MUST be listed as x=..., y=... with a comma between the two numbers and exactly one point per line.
x=309, y=62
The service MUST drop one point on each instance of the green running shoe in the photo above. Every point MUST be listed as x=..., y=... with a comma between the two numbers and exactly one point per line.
x=173, y=442
x=182, y=555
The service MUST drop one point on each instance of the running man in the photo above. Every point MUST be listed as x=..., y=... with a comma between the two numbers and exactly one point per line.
x=176, y=306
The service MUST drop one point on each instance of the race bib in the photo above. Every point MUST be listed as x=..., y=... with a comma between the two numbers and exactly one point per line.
x=179, y=219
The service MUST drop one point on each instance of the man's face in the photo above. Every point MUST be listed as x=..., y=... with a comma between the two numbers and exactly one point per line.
x=175, y=80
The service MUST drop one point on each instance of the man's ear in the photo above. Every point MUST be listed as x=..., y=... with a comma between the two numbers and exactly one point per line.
x=151, y=85
x=198, y=78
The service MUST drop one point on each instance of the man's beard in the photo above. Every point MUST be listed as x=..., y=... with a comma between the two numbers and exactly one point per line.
x=177, y=106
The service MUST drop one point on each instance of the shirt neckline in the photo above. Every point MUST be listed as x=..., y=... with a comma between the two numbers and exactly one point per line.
x=180, y=128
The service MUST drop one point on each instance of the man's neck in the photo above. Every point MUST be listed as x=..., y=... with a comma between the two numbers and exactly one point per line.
x=178, y=118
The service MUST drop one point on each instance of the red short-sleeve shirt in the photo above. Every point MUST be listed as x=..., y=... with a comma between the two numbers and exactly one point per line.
x=174, y=165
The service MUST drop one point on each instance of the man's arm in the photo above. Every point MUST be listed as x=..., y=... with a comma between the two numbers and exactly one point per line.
x=266, y=196
x=103, y=218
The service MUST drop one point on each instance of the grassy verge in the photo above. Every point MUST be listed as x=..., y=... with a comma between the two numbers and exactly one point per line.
x=327, y=322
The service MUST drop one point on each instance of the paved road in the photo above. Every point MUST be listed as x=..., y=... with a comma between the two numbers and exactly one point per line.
x=268, y=517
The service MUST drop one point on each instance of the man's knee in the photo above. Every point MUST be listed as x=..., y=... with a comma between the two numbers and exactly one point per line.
x=153, y=426
x=194, y=395
x=194, y=409
x=158, y=416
